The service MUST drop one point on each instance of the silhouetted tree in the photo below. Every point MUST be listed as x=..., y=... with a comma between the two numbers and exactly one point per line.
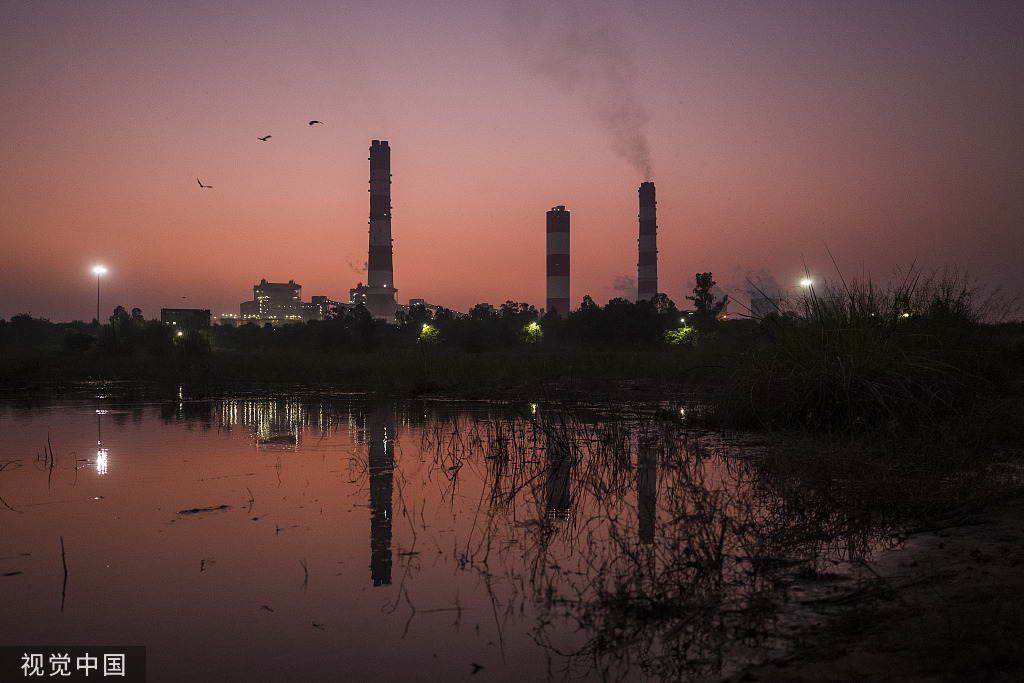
x=481, y=312
x=121, y=336
x=706, y=309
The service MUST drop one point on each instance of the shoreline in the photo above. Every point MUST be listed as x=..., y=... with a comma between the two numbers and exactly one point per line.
x=947, y=604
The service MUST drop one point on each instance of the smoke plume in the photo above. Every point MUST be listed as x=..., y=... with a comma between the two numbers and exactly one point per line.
x=625, y=286
x=581, y=49
x=761, y=283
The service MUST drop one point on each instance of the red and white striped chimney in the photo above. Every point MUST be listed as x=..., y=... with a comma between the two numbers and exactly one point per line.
x=558, y=260
x=380, y=275
x=647, y=266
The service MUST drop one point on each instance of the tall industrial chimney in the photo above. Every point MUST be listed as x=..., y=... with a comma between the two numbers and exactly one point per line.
x=380, y=276
x=558, y=260
x=647, y=266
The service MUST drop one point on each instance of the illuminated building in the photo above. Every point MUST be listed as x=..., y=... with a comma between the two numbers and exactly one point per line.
x=276, y=303
x=279, y=303
x=357, y=295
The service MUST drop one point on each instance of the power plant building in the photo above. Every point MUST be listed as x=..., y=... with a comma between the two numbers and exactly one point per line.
x=280, y=303
x=558, y=261
x=380, y=276
x=647, y=265
x=276, y=303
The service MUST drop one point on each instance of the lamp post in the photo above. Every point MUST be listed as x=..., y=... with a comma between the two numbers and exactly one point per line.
x=99, y=270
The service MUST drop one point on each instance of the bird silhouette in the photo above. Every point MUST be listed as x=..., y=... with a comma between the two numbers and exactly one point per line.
x=312, y=122
x=264, y=138
x=201, y=183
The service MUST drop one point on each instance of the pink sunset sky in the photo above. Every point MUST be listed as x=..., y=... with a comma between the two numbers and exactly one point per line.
x=887, y=134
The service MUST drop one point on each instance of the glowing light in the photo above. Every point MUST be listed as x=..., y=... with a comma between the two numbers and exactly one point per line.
x=429, y=334
x=98, y=270
x=806, y=282
x=101, y=461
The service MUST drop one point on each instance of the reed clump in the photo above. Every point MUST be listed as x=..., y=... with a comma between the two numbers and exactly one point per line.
x=851, y=357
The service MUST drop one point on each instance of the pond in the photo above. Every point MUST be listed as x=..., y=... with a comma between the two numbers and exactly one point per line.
x=312, y=537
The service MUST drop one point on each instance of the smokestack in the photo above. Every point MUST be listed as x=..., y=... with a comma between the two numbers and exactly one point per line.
x=647, y=266
x=558, y=260
x=380, y=275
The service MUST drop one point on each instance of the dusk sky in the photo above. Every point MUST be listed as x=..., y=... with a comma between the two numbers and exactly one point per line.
x=888, y=134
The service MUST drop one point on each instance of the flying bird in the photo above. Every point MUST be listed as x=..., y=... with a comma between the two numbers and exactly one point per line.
x=312, y=122
x=201, y=183
x=264, y=138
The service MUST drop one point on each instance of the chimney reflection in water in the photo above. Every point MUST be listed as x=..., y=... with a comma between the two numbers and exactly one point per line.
x=558, y=480
x=647, y=487
x=381, y=427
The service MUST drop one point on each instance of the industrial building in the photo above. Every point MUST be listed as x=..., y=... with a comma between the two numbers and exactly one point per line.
x=280, y=303
x=647, y=265
x=558, y=261
x=380, y=275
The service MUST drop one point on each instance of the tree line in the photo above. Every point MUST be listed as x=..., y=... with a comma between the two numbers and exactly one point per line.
x=620, y=322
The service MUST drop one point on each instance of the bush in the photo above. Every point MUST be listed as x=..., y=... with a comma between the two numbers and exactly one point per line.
x=853, y=357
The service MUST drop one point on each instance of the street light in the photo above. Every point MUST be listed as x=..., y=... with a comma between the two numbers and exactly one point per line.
x=99, y=270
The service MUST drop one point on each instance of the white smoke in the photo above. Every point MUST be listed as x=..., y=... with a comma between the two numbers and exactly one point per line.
x=625, y=286
x=760, y=283
x=582, y=49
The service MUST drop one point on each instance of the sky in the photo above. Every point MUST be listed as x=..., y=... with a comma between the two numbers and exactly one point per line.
x=784, y=139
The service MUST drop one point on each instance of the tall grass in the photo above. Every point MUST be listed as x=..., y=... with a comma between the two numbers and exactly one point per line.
x=851, y=356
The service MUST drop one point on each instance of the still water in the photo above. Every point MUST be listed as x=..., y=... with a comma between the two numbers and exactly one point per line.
x=307, y=538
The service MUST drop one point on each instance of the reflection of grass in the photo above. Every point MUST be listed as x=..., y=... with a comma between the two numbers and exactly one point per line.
x=672, y=601
x=735, y=526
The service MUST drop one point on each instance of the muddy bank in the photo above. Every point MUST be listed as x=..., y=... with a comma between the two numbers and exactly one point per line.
x=946, y=605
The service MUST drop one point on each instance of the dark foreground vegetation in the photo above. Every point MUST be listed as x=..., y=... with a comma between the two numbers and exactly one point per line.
x=849, y=357
x=899, y=405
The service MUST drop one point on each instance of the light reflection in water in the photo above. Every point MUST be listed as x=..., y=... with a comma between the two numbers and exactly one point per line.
x=381, y=424
x=619, y=543
x=101, y=453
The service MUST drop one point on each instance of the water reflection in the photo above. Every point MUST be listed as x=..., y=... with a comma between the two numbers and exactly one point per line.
x=101, y=452
x=623, y=543
x=647, y=487
x=559, y=476
x=678, y=575
x=381, y=427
